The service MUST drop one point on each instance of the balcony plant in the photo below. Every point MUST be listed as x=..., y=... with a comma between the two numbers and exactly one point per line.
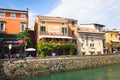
x=83, y=52
x=48, y=47
x=92, y=52
x=98, y=52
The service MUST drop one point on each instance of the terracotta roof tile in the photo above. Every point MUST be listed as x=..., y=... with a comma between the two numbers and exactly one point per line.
x=51, y=18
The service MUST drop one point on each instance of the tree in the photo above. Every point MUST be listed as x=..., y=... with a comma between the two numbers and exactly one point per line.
x=25, y=35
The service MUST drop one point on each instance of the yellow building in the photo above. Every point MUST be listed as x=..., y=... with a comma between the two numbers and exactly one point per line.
x=112, y=40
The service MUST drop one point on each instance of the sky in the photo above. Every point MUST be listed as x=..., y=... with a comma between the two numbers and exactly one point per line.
x=105, y=12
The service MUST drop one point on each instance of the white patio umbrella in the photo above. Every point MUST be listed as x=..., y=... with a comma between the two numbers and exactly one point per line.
x=30, y=49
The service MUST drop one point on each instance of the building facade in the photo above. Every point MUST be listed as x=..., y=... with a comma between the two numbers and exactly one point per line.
x=12, y=23
x=90, y=41
x=55, y=29
x=98, y=27
x=112, y=40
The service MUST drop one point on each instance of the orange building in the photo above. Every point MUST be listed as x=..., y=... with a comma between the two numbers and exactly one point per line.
x=55, y=28
x=12, y=22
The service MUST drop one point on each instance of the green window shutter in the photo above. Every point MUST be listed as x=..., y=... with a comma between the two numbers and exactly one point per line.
x=44, y=29
x=65, y=30
x=41, y=28
x=62, y=30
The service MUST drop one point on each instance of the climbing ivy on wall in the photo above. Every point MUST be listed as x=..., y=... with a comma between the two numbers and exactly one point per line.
x=43, y=47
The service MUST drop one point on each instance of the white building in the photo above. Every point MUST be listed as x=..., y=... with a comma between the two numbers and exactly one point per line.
x=90, y=41
x=98, y=27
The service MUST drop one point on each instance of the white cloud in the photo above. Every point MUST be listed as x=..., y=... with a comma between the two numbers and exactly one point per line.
x=90, y=11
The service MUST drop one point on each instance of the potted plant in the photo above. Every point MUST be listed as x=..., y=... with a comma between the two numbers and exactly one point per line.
x=83, y=52
x=98, y=52
x=92, y=52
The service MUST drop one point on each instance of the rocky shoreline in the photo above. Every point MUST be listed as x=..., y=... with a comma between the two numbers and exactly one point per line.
x=38, y=66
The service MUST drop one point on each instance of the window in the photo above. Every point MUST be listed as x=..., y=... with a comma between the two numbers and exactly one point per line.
x=91, y=45
x=116, y=36
x=82, y=44
x=2, y=14
x=111, y=35
x=42, y=30
x=22, y=26
x=73, y=32
x=73, y=23
x=22, y=16
x=92, y=40
x=99, y=43
x=74, y=41
x=64, y=31
x=97, y=28
x=82, y=38
x=63, y=23
x=43, y=22
x=2, y=26
x=13, y=15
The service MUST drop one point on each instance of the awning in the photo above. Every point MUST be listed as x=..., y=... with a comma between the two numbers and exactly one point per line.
x=62, y=37
x=30, y=49
x=115, y=41
x=2, y=35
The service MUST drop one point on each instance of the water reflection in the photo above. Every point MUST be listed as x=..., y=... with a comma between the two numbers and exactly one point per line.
x=101, y=73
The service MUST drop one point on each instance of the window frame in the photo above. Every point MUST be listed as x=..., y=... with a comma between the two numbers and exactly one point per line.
x=63, y=23
x=3, y=26
x=92, y=40
x=64, y=30
x=73, y=23
x=116, y=35
x=74, y=41
x=82, y=44
x=22, y=23
x=92, y=45
x=111, y=35
x=43, y=22
x=42, y=30
x=12, y=15
x=22, y=16
x=2, y=14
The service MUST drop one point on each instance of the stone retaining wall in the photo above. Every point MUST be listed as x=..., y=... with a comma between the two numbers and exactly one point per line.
x=36, y=66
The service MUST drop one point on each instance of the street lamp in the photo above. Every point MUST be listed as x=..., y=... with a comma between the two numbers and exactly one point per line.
x=9, y=46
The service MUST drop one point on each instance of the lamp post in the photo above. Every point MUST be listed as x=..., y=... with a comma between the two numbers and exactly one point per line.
x=9, y=46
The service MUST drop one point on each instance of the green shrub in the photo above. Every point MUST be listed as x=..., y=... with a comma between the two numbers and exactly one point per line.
x=44, y=47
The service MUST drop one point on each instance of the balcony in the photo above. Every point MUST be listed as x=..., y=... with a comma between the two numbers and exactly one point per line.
x=53, y=34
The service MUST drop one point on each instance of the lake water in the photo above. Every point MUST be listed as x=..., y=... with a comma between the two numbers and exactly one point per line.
x=102, y=73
